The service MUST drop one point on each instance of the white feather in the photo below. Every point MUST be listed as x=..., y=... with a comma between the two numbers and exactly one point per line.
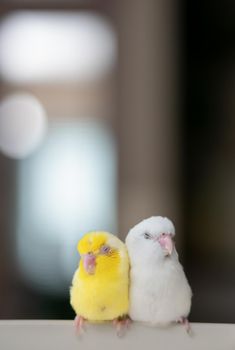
x=159, y=291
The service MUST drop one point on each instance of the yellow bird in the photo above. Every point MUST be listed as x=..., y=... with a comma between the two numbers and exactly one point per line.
x=100, y=285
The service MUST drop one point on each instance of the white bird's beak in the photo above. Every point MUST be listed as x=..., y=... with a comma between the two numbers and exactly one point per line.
x=165, y=241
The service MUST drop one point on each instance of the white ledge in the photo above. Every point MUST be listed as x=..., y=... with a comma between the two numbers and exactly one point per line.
x=58, y=335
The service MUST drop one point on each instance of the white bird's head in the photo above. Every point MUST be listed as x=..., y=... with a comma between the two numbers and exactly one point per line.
x=151, y=240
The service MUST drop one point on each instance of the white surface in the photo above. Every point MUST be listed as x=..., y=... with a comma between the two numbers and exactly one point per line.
x=60, y=335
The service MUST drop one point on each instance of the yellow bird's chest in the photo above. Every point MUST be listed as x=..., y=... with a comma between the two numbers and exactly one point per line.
x=100, y=297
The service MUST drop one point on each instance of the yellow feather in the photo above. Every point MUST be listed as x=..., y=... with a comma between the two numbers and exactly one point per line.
x=101, y=296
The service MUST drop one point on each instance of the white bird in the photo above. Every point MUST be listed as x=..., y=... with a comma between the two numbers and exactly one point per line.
x=159, y=290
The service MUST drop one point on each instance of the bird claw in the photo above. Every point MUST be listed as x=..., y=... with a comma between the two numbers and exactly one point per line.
x=79, y=324
x=185, y=322
x=121, y=325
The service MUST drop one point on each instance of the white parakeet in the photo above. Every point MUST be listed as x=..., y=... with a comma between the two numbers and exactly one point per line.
x=159, y=290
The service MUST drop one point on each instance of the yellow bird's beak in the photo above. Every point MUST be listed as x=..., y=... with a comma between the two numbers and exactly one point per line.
x=89, y=263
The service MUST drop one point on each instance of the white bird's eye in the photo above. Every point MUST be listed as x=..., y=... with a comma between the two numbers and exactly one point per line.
x=147, y=235
x=104, y=249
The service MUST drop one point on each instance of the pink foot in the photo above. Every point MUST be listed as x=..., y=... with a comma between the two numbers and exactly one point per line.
x=184, y=321
x=79, y=324
x=122, y=324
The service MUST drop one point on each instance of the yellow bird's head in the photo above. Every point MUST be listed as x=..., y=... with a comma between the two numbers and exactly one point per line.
x=100, y=251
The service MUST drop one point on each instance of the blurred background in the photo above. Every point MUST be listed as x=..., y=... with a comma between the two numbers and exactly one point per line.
x=110, y=112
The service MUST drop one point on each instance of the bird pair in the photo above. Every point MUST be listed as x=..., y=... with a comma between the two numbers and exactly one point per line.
x=143, y=279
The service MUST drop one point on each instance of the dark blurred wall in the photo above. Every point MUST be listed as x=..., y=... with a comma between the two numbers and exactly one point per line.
x=148, y=130
x=209, y=157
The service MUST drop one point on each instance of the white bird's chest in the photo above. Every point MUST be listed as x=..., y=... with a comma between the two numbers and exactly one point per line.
x=159, y=295
x=155, y=283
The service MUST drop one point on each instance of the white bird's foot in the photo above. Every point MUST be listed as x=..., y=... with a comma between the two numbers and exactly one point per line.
x=79, y=324
x=185, y=322
x=122, y=324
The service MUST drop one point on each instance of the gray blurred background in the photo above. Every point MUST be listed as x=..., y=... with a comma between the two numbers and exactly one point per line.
x=110, y=112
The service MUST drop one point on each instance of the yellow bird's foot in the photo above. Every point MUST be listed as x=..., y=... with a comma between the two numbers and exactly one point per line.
x=185, y=322
x=122, y=324
x=79, y=324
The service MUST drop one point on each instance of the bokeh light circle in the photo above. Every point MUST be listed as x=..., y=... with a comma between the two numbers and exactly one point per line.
x=23, y=125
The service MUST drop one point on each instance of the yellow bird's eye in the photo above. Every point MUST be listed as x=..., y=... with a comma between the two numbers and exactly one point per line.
x=105, y=249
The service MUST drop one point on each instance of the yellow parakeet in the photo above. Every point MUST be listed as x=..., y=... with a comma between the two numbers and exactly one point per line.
x=100, y=285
